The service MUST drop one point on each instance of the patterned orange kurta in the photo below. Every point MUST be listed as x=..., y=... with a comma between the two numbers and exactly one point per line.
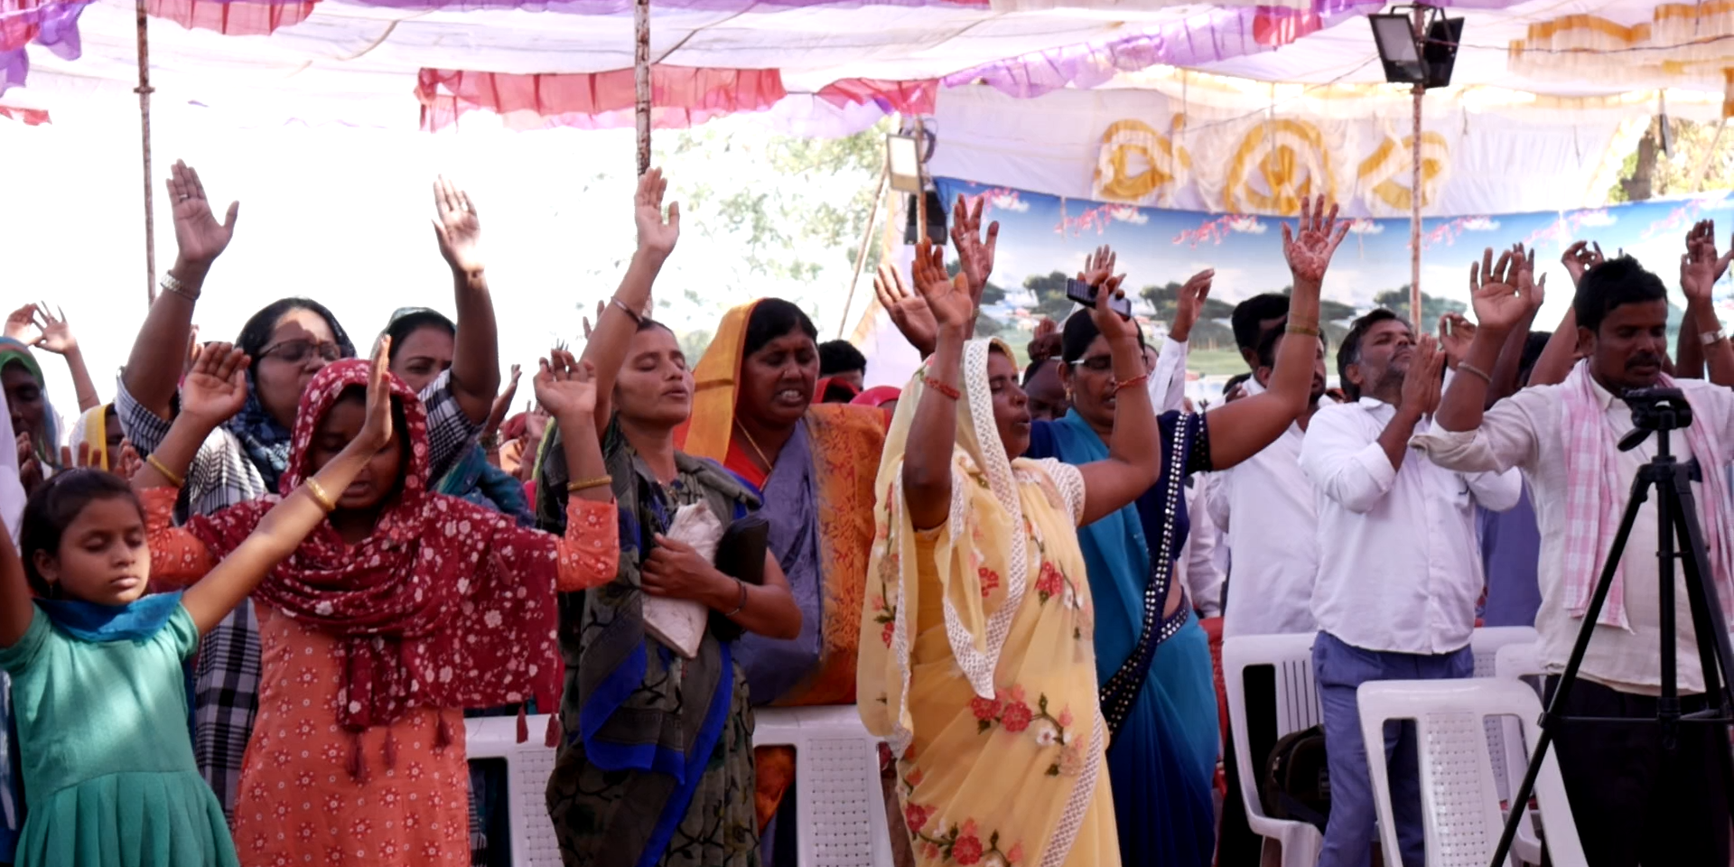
x=298, y=802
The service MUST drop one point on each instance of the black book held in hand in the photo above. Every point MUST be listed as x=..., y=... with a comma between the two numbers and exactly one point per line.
x=741, y=554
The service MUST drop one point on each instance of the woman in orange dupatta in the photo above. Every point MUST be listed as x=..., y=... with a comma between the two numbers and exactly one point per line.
x=754, y=412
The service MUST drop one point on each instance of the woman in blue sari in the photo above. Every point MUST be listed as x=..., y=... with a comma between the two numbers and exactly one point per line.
x=1152, y=658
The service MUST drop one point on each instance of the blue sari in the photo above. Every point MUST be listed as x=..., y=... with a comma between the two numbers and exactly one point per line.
x=1162, y=760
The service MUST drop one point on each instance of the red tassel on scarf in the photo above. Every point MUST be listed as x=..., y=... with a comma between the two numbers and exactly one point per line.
x=357, y=762
x=390, y=750
x=552, y=738
x=523, y=724
x=443, y=737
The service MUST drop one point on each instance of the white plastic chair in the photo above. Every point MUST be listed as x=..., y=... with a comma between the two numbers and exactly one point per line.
x=840, y=801
x=1297, y=707
x=1486, y=643
x=528, y=767
x=1521, y=662
x=1460, y=808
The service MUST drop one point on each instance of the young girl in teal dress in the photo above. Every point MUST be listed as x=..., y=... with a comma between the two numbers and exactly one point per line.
x=98, y=682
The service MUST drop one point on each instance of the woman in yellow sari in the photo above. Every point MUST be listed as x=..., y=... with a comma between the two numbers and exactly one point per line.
x=977, y=653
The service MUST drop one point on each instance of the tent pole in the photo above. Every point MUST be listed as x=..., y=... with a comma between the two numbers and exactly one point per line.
x=861, y=252
x=640, y=80
x=1415, y=193
x=144, y=116
x=920, y=172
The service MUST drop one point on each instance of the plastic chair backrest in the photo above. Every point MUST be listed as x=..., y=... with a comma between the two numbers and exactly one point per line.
x=840, y=798
x=1459, y=804
x=1485, y=643
x=528, y=767
x=1297, y=707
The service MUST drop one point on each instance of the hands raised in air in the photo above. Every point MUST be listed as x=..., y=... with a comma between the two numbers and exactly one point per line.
x=974, y=252
x=1190, y=304
x=1581, y=257
x=1503, y=292
x=656, y=235
x=949, y=298
x=908, y=310
x=1310, y=246
x=566, y=387
x=216, y=387
x=458, y=227
x=1700, y=266
x=199, y=236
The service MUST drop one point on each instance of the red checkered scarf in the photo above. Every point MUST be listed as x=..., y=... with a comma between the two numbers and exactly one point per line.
x=1595, y=498
x=445, y=605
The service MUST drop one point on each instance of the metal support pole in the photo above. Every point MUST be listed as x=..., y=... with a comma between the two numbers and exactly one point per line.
x=641, y=80
x=144, y=116
x=921, y=172
x=1415, y=192
x=861, y=252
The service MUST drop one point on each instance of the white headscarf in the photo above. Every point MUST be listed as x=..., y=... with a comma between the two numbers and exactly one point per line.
x=11, y=487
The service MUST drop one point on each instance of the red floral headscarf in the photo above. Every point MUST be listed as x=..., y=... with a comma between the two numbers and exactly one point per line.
x=446, y=604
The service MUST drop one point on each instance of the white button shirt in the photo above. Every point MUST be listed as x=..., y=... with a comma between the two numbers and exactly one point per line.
x=1399, y=564
x=1276, y=558
x=1527, y=431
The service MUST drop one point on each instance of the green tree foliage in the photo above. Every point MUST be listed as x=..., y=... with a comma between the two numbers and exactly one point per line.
x=1432, y=306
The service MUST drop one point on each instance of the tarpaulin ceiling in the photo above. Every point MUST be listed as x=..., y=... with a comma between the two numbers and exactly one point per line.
x=833, y=66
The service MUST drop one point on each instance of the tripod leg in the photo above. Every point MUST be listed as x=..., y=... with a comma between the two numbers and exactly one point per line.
x=1550, y=719
x=1711, y=629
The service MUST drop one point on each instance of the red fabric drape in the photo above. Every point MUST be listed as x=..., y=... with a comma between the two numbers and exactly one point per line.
x=233, y=19
x=680, y=96
x=907, y=97
x=26, y=116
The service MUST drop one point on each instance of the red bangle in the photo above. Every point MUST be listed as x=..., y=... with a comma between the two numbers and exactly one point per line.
x=1127, y=383
x=941, y=387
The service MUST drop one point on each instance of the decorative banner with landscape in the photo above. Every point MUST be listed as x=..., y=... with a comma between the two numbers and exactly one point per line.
x=1043, y=239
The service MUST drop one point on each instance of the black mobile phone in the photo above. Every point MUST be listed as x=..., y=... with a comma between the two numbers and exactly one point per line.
x=1085, y=294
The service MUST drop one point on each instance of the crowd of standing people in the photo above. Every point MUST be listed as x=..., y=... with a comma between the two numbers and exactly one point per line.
x=246, y=606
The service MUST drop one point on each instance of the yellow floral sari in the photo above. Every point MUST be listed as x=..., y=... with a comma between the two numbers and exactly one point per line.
x=977, y=661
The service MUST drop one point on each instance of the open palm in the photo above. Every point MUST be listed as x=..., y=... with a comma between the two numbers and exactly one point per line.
x=655, y=234
x=216, y=388
x=1314, y=241
x=948, y=297
x=908, y=310
x=1494, y=290
x=565, y=386
x=458, y=227
x=198, y=235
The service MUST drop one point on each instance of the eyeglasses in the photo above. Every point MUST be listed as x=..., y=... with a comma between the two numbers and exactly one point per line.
x=298, y=351
x=1097, y=363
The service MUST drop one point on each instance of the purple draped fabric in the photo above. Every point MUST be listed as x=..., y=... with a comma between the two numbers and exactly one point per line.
x=53, y=25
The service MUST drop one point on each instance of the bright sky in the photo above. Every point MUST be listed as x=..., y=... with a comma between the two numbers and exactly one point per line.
x=342, y=215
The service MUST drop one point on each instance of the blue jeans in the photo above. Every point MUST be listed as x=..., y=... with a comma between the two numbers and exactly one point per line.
x=1338, y=669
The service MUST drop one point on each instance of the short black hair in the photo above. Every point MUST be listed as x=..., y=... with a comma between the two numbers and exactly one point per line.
x=772, y=318
x=53, y=508
x=407, y=322
x=1249, y=313
x=1034, y=368
x=1267, y=347
x=1350, y=350
x=1613, y=283
x=840, y=356
x=258, y=329
x=1235, y=380
x=1079, y=332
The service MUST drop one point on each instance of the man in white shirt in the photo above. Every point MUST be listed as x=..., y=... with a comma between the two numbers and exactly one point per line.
x=1271, y=587
x=1633, y=799
x=1399, y=568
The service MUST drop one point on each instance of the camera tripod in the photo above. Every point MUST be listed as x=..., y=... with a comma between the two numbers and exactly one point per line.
x=1661, y=411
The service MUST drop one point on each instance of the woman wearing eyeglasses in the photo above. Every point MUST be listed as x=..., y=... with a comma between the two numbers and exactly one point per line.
x=289, y=342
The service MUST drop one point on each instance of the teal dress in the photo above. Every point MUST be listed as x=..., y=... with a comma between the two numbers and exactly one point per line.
x=109, y=776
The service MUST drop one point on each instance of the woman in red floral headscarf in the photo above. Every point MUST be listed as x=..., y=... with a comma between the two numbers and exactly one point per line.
x=395, y=614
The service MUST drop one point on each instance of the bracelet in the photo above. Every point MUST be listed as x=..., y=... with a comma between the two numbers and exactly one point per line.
x=173, y=285
x=157, y=465
x=743, y=604
x=1709, y=338
x=1128, y=383
x=489, y=442
x=636, y=318
x=1472, y=370
x=319, y=496
x=577, y=485
x=941, y=387
x=1308, y=330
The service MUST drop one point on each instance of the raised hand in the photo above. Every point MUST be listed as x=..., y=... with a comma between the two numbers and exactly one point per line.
x=1495, y=290
x=1108, y=320
x=566, y=387
x=1099, y=267
x=127, y=463
x=948, y=297
x=908, y=310
x=30, y=470
x=376, y=424
x=1313, y=242
x=1533, y=291
x=21, y=325
x=1421, y=385
x=458, y=227
x=1190, y=304
x=200, y=237
x=1581, y=257
x=1455, y=334
x=975, y=253
x=1700, y=266
x=57, y=335
x=216, y=388
x=656, y=236
x=601, y=307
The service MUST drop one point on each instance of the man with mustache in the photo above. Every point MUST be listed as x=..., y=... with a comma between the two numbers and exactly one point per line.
x=1399, y=567
x=1634, y=800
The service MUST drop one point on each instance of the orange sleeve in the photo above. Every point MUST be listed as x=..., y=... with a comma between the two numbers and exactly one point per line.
x=178, y=558
x=589, y=553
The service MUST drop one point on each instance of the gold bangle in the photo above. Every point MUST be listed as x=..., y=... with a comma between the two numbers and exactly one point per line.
x=317, y=491
x=1472, y=370
x=157, y=465
x=578, y=485
x=1308, y=330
